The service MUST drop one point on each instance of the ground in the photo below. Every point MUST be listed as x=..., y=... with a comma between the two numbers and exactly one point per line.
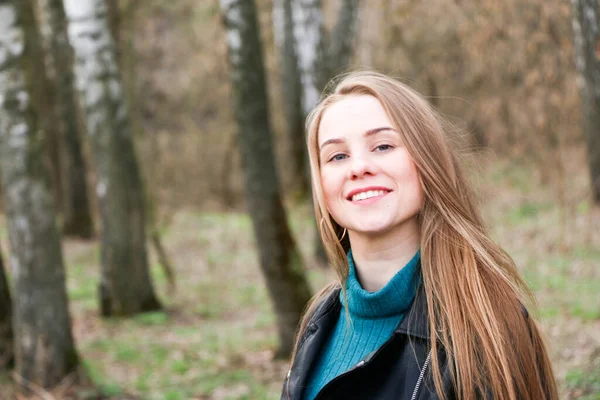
x=217, y=336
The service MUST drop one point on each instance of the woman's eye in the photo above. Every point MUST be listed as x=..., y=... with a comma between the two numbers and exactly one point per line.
x=383, y=147
x=338, y=157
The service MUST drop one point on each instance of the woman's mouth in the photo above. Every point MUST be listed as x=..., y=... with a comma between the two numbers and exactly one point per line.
x=367, y=195
x=364, y=195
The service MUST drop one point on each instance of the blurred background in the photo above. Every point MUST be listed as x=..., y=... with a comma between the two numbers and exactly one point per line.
x=157, y=229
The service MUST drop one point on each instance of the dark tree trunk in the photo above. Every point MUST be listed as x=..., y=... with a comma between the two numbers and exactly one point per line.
x=279, y=259
x=126, y=287
x=77, y=217
x=292, y=94
x=124, y=35
x=587, y=31
x=339, y=46
x=6, y=332
x=44, y=345
x=342, y=37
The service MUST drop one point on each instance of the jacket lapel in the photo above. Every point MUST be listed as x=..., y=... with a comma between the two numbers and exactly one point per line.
x=313, y=340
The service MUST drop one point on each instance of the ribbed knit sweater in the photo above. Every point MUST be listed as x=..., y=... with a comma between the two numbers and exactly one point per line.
x=374, y=316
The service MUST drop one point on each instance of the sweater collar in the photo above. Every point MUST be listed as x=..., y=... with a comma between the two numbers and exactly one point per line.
x=393, y=299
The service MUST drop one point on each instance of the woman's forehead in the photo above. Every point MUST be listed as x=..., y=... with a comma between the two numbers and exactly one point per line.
x=354, y=114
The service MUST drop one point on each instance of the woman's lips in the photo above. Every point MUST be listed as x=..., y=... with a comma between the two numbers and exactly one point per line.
x=367, y=195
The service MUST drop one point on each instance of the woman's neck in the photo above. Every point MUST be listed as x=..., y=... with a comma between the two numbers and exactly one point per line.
x=378, y=258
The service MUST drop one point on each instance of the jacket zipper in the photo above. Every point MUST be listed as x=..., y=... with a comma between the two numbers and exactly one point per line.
x=421, y=375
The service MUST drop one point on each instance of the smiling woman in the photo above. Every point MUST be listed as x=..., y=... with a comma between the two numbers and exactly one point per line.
x=427, y=306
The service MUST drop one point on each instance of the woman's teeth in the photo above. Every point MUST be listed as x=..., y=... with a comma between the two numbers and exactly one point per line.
x=368, y=194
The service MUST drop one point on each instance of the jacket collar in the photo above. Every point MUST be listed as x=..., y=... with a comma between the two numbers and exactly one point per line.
x=416, y=322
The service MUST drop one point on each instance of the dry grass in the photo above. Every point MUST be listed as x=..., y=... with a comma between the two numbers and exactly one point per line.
x=217, y=336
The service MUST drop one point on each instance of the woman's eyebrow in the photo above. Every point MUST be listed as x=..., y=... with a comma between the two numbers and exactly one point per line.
x=332, y=141
x=370, y=132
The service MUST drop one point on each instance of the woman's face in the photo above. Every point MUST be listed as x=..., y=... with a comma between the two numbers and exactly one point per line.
x=369, y=180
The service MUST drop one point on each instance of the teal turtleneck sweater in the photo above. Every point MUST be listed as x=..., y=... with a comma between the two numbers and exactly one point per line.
x=374, y=316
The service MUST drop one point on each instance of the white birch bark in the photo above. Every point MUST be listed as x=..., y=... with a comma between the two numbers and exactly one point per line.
x=44, y=345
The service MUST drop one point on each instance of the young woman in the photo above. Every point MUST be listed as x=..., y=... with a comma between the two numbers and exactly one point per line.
x=427, y=306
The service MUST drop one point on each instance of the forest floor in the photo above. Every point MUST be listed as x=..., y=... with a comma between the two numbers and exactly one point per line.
x=217, y=335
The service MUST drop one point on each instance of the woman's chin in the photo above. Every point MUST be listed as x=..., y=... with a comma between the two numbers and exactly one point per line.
x=372, y=230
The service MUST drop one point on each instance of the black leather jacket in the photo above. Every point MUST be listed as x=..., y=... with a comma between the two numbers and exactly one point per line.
x=399, y=369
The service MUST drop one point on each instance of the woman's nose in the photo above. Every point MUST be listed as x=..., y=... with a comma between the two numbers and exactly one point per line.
x=360, y=167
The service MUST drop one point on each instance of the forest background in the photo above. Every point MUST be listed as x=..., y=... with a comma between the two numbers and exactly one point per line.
x=503, y=72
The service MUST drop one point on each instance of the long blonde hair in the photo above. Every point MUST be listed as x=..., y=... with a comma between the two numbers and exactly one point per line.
x=474, y=292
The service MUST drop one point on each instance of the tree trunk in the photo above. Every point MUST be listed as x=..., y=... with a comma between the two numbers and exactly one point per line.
x=77, y=217
x=123, y=36
x=125, y=287
x=44, y=345
x=292, y=94
x=279, y=259
x=6, y=331
x=586, y=30
x=310, y=38
x=342, y=37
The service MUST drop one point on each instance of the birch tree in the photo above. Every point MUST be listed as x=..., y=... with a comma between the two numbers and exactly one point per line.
x=6, y=331
x=279, y=258
x=76, y=213
x=126, y=287
x=586, y=31
x=44, y=345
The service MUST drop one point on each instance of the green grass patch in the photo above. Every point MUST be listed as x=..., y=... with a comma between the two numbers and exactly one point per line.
x=175, y=394
x=251, y=295
x=585, y=381
x=159, y=353
x=125, y=352
x=152, y=318
x=102, y=344
x=514, y=176
x=98, y=376
x=142, y=382
x=180, y=366
x=224, y=378
x=185, y=331
x=564, y=289
x=586, y=253
x=528, y=210
x=209, y=311
x=264, y=320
